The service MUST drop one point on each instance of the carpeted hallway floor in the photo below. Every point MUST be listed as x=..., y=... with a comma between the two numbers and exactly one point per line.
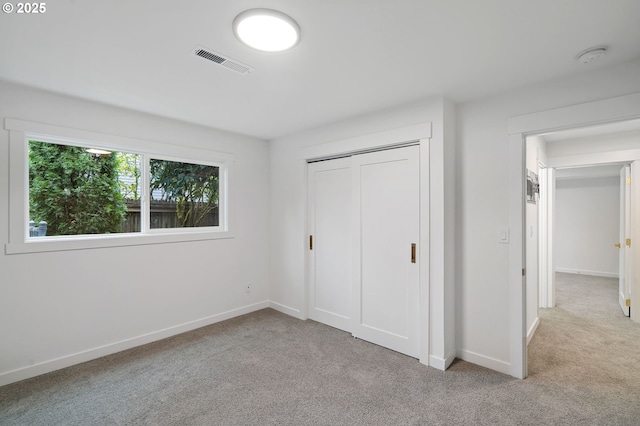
x=588, y=346
x=266, y=369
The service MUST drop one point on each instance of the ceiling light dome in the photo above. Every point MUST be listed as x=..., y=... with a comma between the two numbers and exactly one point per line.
x=266, y=30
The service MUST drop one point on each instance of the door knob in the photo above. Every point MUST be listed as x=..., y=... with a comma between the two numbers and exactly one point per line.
x=618, y=245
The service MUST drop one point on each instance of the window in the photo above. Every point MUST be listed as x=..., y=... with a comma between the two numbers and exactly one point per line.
x=76, y=190
x=183, y=194
x=101, y=191
x=81, y=190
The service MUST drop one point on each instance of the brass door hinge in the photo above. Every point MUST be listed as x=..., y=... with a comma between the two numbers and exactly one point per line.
x=618, y=245
x=629, y=181
x=523, y=272
x=628, y=243
x=627, y=302
x=413, y=252
x=310, y=242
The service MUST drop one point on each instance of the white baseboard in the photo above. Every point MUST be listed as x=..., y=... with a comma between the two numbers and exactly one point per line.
x=442, y=363
x=296, y=313
x=485, y=361
x=90, y=354
x=587, y=272
x=532, y=330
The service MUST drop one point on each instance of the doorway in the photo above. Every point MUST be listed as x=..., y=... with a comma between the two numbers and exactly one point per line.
x=591, y=231
x=620, y=109
x=584, y=226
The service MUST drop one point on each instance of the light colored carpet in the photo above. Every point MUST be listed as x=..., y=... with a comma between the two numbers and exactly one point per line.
x=588, y=346
x=266, y=369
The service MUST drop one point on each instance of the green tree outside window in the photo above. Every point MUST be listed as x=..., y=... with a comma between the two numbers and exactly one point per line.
x=74, y=191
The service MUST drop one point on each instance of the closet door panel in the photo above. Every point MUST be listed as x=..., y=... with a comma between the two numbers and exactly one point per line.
x=330, y=229
x=386, y=279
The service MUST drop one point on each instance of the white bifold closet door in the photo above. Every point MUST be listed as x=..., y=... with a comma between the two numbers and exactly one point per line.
x=364, y=271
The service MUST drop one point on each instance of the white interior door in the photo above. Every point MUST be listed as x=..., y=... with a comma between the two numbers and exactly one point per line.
x=329, y=192
x=624, y=244
x=633, y=261
x=386, y=275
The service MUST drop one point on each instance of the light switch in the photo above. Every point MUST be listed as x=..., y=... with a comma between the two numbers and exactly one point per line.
x=503, y=236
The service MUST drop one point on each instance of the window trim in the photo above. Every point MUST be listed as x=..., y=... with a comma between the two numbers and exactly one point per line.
x=20, y=132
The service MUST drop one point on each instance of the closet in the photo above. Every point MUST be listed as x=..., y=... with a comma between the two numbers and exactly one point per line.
x=364, y=215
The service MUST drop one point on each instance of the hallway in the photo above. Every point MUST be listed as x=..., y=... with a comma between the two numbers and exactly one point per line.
x=587, y=343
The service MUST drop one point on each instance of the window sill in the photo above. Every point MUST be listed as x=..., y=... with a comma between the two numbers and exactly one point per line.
x=37, y=245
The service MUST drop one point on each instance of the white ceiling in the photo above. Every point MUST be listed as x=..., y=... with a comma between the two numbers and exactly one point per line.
x=605, y=171
x=629, y=128
x=602, y=134
x=355, y=56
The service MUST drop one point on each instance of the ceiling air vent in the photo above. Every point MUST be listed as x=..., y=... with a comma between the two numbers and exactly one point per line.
x=223, y=61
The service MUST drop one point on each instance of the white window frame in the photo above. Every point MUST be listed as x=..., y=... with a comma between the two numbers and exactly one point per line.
x=222, y=194
x=21, y=132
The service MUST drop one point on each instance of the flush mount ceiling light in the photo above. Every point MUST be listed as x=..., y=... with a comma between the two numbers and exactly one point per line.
x=591, y=54
x=266, y=30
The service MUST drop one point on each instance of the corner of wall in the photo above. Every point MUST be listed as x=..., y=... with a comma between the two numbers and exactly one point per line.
x=442, y=235
x=449, y=119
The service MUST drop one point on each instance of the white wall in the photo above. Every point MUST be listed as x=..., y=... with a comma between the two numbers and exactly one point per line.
x=482, y=204
x=587, y=226
x=59, y=308
x=288, y=210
